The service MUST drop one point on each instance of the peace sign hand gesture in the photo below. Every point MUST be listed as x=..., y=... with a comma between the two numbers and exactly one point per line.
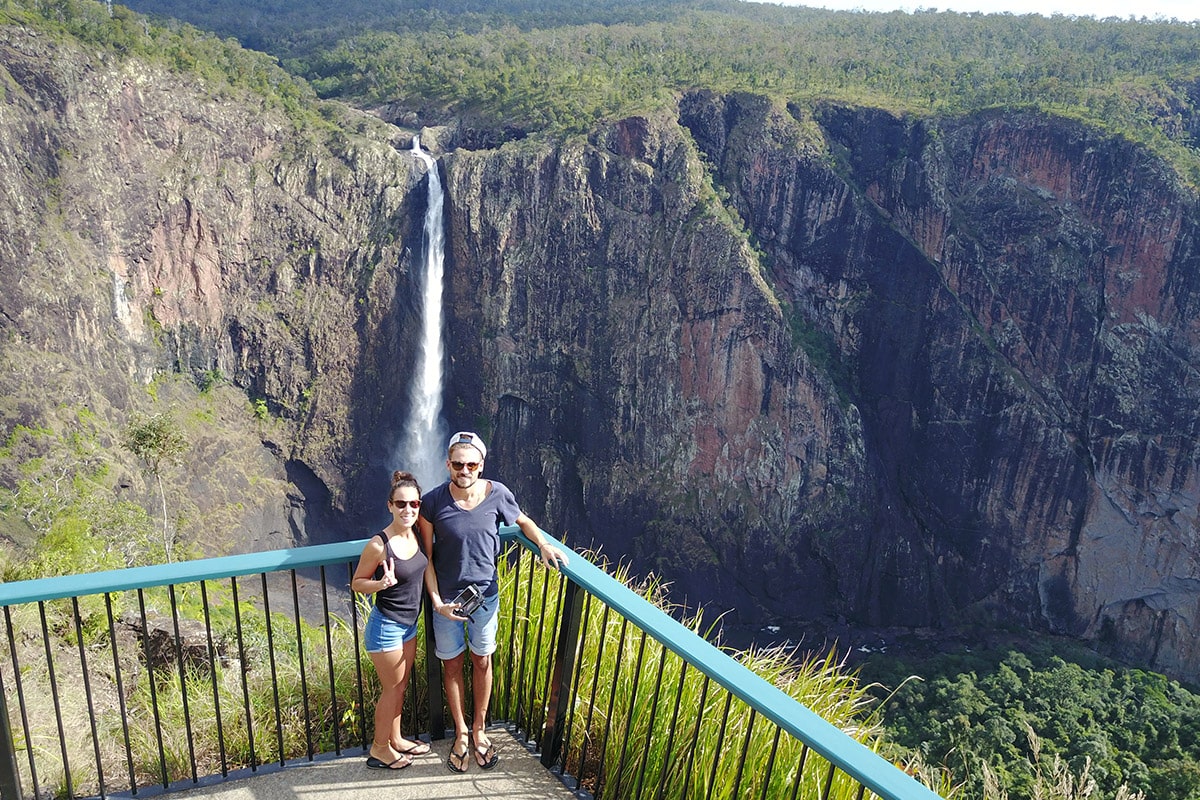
x=389, y=573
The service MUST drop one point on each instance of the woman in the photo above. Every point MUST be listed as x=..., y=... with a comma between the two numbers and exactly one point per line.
x=392, y=567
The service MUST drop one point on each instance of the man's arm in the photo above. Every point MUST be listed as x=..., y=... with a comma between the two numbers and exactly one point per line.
x=551, y=555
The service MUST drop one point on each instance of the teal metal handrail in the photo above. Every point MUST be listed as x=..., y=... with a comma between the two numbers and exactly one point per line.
x=120, y=580
x=864, y=766
x=855, y=759
x=109, y=584
x=867, y=767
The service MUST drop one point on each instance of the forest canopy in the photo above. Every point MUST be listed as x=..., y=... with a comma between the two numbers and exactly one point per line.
x=564, y=66
x=1010, y=713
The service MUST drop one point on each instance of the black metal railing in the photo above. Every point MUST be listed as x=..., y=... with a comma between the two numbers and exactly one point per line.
x=624, y=701
x=171, y=676
x=254, y=663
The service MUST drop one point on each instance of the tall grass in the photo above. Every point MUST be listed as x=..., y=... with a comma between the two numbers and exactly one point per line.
x=642, y=723
x=282, y=689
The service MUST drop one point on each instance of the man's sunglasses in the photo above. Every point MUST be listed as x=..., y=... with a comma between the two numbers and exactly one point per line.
x=471, y=466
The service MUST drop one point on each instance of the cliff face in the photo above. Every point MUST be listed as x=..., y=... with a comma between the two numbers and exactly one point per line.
x=618, y=331
x=956, y=382
x=816, y=365
x=1049, y=407
x=157, y=223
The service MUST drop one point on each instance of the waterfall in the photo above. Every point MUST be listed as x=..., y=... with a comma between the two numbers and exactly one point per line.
x=423, y=448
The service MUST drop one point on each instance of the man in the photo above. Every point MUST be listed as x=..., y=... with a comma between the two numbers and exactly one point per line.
x=460, y=525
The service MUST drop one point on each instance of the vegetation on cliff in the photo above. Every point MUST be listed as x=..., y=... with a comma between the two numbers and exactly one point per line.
x=183, y=47
x=550, y=65
x=78, y=492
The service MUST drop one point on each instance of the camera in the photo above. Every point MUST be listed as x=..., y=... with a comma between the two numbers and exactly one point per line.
x=469, y=600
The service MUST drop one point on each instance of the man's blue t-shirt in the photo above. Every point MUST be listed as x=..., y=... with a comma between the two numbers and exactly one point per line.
x=466, y=544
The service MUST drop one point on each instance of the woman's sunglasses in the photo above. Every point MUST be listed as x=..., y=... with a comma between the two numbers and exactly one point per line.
x=409, y=503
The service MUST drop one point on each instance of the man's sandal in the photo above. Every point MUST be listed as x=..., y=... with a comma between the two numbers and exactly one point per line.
x=457, y=762
x=485, y=754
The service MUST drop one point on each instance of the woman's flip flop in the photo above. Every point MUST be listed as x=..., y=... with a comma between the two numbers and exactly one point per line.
x=376, y=763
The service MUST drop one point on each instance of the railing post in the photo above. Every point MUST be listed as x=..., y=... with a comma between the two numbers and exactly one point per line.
x=10, y=779
x=564, y=671
x=433, y=679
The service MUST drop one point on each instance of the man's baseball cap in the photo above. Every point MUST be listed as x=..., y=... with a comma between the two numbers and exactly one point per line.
x=466, y=437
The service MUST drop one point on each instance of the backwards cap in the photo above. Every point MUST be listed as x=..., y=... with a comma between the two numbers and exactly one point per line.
x=467, y=437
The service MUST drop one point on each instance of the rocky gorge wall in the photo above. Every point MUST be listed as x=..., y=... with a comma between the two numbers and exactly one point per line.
x=878, y=371
x=819, y=366
x=157, y=223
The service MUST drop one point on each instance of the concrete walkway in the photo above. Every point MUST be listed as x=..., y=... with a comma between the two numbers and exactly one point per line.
x=519, y=775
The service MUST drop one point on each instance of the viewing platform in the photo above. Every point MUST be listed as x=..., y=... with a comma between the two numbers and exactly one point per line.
x=244, y=678
x=518, y=776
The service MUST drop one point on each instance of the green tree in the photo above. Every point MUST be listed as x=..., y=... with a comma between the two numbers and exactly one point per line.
x=157, y=441
x=1037, y=720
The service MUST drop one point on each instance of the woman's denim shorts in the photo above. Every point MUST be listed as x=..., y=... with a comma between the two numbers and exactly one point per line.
x=383, y=634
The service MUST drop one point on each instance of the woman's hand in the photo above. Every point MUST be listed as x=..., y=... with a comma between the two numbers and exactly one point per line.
x=389, y=574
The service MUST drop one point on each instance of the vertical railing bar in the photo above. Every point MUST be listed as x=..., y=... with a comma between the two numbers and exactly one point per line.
x=433, y=679
x=412, y=704
x=862, y=789
x=62, y=737
x=662, y=662
x=10, y=774
x=112, y=637
x=535, y=725
x=243, y=668
x=12, y=649
x=668, y=754
x=800, y=770
x=539, y=709
x=435, y=697
x=575, y=684
x=712, y=776
x=162, y=752
x=212, y=674
x=358, y=672
x=308, y=743
x=333, y=699
x=612, y=699
x=737, y=781
x=512, y=627
x=687, y=769
x=771, y=763
x=564, y=670
x=274, y=669
x=637, y=671
x=556, y=631
x=587, y=728
x=187, y=715
x=524, y=713
x=829, y=781
x=87, y=691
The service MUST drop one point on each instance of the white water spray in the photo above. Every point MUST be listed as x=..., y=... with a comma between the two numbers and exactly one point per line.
x=423, y=450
